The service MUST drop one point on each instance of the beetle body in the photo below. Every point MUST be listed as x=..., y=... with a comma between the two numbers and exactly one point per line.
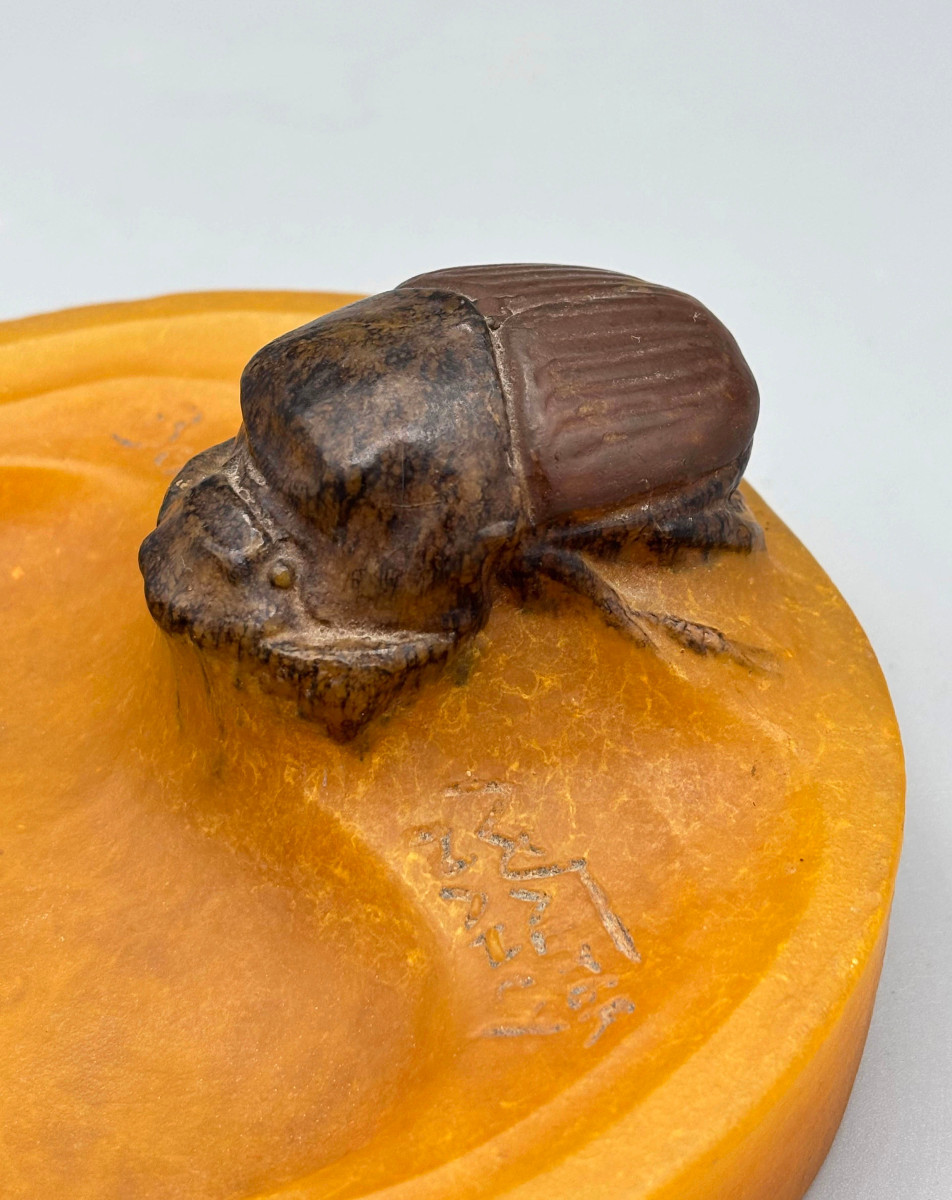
x=401, y=457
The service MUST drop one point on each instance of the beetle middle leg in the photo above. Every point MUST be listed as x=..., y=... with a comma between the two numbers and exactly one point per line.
x=570, y=568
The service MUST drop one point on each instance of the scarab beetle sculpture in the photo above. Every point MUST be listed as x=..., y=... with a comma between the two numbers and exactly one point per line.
x=404, y=458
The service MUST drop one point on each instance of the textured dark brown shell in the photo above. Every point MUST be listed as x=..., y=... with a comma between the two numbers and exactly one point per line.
x=617, y=389
x=404, y=457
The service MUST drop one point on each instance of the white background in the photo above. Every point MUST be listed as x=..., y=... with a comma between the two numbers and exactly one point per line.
x=789, y=164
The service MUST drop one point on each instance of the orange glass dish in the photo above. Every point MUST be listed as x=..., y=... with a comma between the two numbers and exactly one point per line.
x=582, y=920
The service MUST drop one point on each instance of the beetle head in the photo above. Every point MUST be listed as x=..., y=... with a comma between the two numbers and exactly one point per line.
x=346, y=536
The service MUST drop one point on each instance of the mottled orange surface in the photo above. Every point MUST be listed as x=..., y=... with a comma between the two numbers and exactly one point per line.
x=582, y=920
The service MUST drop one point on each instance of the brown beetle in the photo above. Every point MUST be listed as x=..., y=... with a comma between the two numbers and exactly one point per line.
x=403, y=457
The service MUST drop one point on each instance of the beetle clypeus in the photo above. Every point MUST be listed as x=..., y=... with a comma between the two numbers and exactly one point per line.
x=403, y=457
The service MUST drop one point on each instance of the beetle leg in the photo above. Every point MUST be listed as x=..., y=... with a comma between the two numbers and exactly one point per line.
x=571, y=569
x=705, y=639
x=728, y=524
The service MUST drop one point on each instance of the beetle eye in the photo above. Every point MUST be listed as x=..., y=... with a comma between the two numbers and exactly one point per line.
x=281, y=575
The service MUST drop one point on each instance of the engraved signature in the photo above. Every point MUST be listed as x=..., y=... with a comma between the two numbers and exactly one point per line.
x=479, y=908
